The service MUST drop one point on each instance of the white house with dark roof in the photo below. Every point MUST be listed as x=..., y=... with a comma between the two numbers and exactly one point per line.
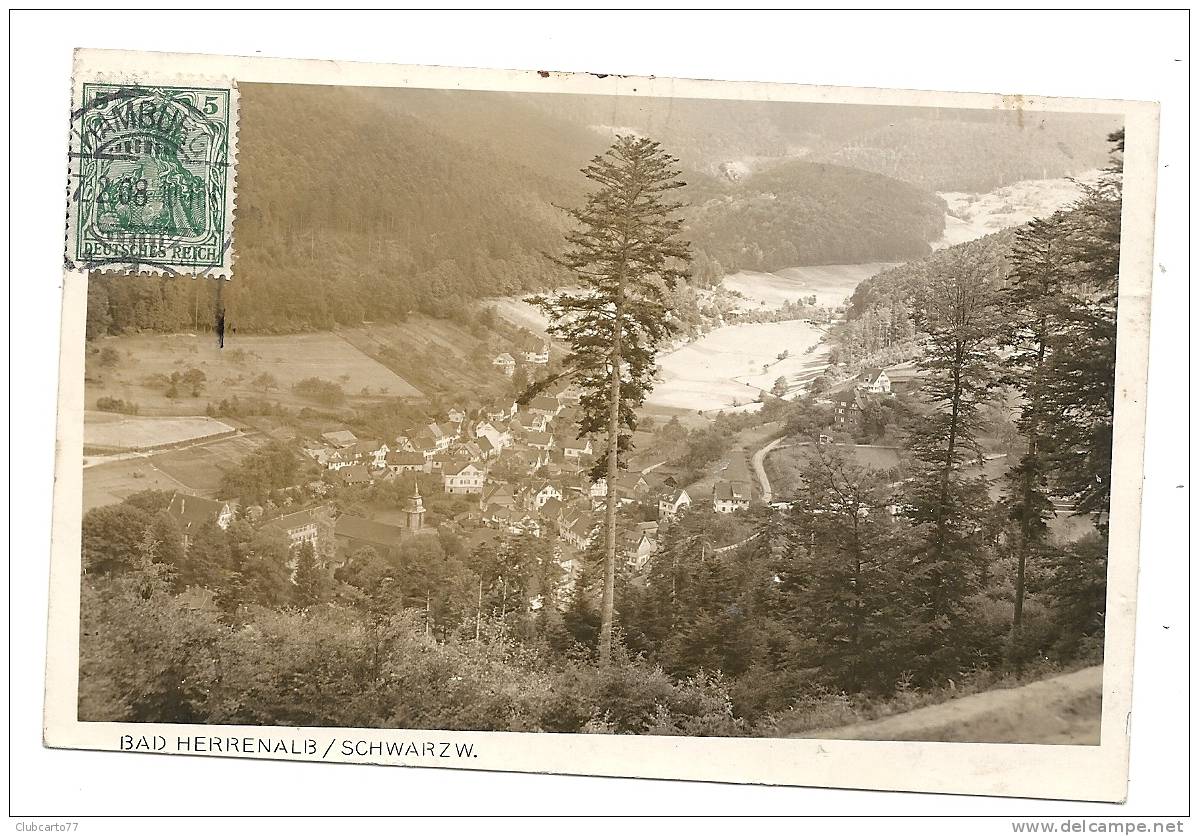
x=540, y=441
x=536, y=351
x=401, y=461
x=873, y=380
x=337, y=459
x=300, y=527
x=576, y=448
x=498, y=434
x=464, y=478
x=546, y=405
x=498, y=494
x=638, y=547
x=543, y=494
x=728, y=497
x=672, y=502
x=371, y=452
x=353, y=533
x=528, y=421
x=500, y=412
x=487, y=450
x=580, y=532
x=355, y=474
x=424, y=443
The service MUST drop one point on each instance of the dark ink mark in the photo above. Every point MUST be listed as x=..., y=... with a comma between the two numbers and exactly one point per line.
x=220, y=317
x=543, y=73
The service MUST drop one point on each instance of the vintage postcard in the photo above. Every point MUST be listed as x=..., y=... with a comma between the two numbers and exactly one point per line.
x=600, y=425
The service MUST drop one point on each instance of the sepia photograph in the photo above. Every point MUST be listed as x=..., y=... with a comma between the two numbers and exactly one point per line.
x=571, y=423
x=612, y=415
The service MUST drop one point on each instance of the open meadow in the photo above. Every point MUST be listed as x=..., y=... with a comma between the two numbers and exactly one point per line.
x=730, y=366
x=830, y=283
x=194, y=468
x=786, y=463
x=111, y=431
x=434, y=355
x=136, y=368
x=519, y=312
x=736, y=466
x=972, y=216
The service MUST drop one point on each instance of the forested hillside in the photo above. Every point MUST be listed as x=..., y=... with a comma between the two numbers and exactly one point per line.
x=801, y=213
x=878, y=318
x=976, y=156
x=939, y=149
x=373, y=205
x=370, y=204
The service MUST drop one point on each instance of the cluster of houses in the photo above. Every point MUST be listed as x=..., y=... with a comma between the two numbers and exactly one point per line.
x=462, y=449
x=528, y=469
x=534, y=351
x=849, y=402
x=524, y=465
x=333, y=537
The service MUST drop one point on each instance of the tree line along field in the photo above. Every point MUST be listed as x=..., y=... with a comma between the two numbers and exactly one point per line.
x=136, y=369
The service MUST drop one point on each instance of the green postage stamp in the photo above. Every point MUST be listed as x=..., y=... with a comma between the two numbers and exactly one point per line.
x=152, y=177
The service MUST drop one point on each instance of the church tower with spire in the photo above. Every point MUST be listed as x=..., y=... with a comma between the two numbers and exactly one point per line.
x=414, y=511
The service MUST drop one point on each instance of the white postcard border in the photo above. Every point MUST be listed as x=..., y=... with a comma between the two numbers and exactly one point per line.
x=1040, y=771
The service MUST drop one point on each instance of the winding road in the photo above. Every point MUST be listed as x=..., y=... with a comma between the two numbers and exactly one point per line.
x=759, y=461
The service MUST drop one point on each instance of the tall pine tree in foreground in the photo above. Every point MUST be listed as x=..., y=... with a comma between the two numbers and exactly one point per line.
x=1033, y=303
x=958, y=315
x=848, y=594
x=626, y=257
x=1080, y=387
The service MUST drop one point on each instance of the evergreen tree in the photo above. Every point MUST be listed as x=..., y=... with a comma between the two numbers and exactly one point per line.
x=848, y=593
x=959, y=318
x=1032, y=302
x=112, y=538
x=1077, y=586
x=258, y=563
x=626, y=255
x=1080, y=390
x=310, y=579
x=580, y=617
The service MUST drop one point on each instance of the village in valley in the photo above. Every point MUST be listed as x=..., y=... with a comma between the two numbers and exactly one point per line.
x=433, y=478
x=503, y=469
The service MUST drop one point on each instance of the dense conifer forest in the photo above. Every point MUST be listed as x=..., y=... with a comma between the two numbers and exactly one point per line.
x=374, y=204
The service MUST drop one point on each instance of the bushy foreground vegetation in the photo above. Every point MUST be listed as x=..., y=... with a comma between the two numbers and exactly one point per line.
x=150, y=655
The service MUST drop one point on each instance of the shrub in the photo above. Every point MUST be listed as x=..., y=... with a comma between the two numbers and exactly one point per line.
x=117, y=405
x=322, y=391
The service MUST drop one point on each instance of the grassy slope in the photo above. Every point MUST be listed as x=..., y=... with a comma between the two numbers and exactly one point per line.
x=231, y=371
x=1059, y=709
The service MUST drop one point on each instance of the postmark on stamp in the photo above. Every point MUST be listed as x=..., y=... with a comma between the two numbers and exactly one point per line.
x=152, y=176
